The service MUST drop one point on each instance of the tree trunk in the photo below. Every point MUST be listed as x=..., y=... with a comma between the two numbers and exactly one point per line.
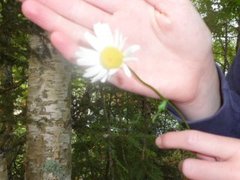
x=3, y=167
x=48, y=147
x=6, y=119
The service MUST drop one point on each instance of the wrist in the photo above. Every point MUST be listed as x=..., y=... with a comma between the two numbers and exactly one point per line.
x=207, y=98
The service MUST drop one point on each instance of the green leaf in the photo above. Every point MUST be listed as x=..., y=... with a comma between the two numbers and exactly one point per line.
x=162, y=106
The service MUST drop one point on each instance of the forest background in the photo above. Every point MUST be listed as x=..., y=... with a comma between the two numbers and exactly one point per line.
x=56, y=125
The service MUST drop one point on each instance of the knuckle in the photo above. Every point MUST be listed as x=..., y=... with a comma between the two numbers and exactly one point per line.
x=192, y=137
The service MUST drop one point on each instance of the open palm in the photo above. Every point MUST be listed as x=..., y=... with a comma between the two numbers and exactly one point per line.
x=175, y=55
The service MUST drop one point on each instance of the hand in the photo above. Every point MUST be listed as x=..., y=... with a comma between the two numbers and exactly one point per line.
x=218, y=157
x=175, y=56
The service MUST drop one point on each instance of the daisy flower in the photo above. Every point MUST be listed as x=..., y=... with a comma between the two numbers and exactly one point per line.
x=107, y=54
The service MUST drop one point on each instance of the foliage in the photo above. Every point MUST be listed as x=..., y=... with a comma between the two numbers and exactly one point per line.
x=13, y=88
x=224, y=28
x=114, y=135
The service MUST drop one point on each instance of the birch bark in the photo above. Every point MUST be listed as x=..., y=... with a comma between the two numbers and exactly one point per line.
x=3, y=168
x=48, y=147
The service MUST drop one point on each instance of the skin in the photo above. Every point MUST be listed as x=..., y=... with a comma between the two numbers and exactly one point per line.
x=217, y=157
x=175, y=46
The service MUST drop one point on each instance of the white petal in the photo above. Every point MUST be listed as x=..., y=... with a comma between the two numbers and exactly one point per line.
x=92, y=71
x=87, y=57
x=93, y=41
x=83, y=52
x=132, y=49
x=130, y=59
x=103, y=33
x=122, y=42
x=116, y=38
x=86, y=62
x=119, y=41
x=104, y=79
x=127, y=70
x=112, y=71
x=99, y=76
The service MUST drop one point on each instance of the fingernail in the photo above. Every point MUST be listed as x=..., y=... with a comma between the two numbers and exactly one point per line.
x=180, y=165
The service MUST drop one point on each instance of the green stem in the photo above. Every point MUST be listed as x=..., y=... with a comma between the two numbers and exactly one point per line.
x=175, y=108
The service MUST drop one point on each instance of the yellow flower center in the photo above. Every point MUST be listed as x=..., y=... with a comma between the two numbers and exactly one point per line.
x=111, y=58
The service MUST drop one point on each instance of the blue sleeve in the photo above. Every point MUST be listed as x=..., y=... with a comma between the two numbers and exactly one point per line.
x=233, y=77
x=227, y=120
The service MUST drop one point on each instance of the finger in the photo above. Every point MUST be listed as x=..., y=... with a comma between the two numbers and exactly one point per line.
x=161, y=5
x=161, y=19
x=50, y=21
x=206, y=158
x=65, y=45
x=77, y=11
x=203, y=143
x=109, y=6
x=161, y=22
x=164, y=6
x=199, y=169
x=171, y=9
